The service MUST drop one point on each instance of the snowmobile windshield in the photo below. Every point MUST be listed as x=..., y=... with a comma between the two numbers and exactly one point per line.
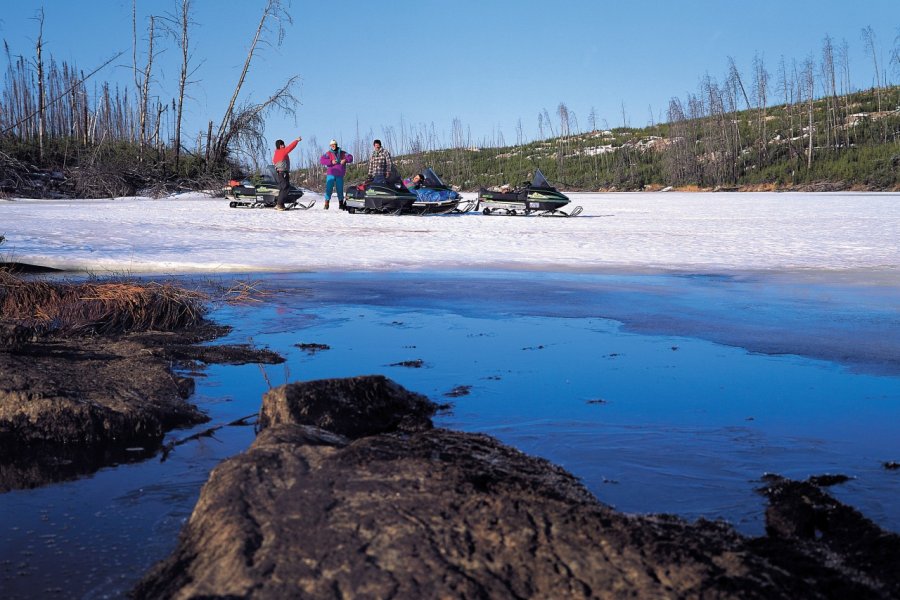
x=431, y=179
x=539, y=180
x=268, y=175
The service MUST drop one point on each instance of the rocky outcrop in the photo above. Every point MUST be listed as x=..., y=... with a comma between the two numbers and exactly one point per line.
x=381, y=506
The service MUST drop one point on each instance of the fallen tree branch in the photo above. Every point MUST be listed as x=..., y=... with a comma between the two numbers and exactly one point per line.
x=208, y=432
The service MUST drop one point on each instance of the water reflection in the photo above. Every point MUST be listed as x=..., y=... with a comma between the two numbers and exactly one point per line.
x=648, y=409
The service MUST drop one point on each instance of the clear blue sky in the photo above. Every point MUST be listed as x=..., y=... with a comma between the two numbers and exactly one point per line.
x=369, y=65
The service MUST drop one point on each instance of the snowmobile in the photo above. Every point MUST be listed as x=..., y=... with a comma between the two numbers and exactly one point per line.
x=537, y=198
x=264, y=194
x=434, y=197
x=390, y=197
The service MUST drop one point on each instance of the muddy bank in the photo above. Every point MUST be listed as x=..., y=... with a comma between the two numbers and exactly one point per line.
x=69, y=406
x=350, y=492
x=77, y=394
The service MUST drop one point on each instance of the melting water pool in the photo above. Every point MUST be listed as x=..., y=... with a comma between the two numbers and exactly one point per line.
x=662, y=393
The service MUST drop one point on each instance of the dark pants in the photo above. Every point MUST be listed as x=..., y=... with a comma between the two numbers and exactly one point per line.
x=284, y=185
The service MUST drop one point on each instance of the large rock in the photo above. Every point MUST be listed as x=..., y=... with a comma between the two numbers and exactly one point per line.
x=431, y=513
x=353, y=407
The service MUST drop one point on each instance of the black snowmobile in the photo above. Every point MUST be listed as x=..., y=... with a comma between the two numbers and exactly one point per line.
x=263, y=193
x=537, y=198
x=434, y=197
x=391, y=197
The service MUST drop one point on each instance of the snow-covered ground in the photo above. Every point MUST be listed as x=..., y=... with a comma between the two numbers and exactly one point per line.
x=639, y=232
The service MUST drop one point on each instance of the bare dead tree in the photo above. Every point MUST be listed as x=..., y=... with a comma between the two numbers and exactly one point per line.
x=716, y=132
x=787, y=90
x=273, y=11
x=809, y=86
x=761, y=87
x=563, y=141
x=160, y=109
x=735, y=75
x=209, y=142
x=676, y=160
x=183, y=20
x=868, y=37
x=549, y=123
x=243, y=133
x=895, y=53
x=843, y=56
x=145, y=90
x=42, y=117
x=563, y=112
x=829, y=87
x=142, y=77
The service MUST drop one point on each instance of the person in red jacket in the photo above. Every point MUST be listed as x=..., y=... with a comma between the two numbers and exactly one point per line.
x=282, y=163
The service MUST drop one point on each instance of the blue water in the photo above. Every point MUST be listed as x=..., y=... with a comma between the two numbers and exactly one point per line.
x=662, y=393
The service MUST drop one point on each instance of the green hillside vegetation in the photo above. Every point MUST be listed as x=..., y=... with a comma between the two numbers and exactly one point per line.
x=854, y=146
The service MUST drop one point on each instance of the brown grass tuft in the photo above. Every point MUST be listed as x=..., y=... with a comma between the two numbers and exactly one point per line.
x=98, y=307
x=760, y=187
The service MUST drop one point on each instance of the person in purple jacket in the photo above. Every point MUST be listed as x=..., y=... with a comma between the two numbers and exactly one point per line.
x=336, y=162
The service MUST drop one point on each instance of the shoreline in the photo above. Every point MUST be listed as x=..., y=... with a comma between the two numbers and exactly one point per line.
x=95, y=373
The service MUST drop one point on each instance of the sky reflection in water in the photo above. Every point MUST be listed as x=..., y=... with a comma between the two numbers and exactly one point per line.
x=652, y=410
x=651, y=423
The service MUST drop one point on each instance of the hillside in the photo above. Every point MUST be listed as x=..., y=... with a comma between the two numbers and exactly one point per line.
x=834, y=143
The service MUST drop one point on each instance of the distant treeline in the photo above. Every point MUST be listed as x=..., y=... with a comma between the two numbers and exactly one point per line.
x=66, y=131
x=804, y=126
x=831, y=143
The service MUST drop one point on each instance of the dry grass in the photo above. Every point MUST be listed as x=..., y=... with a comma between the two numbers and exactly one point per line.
x=689, y=188
x=244, y=292
x=760, y=187
x=98, y=307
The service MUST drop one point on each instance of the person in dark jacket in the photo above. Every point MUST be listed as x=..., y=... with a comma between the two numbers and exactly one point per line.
x=282, y=163
x=336, y=161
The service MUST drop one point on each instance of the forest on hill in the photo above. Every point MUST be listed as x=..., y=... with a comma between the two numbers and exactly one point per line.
x=66, y=132
x=851, y=141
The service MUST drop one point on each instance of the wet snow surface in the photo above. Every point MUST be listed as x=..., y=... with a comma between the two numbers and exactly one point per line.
x=633, y=232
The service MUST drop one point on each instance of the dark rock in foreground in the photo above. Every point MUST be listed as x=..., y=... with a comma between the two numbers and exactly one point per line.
x=374, y=510
x=71, y=404
x=352, y=407
x=89, y=392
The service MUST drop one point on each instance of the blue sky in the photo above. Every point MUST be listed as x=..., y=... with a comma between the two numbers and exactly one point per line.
x=365, y=66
